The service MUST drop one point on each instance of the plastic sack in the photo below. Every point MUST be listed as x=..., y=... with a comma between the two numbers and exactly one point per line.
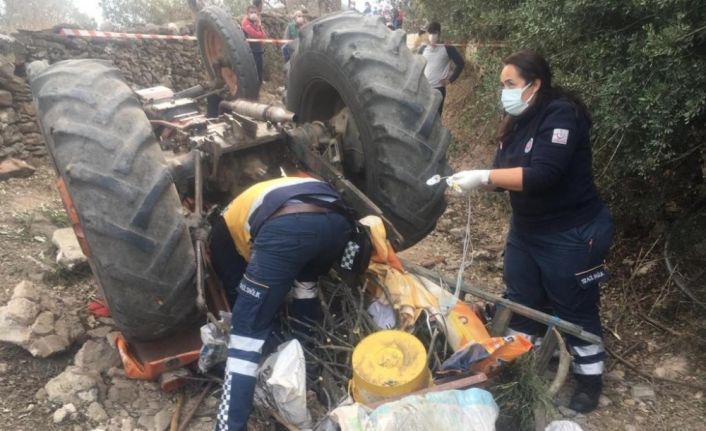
x=471, y=410
x=383, y=315
x=281, y=384
x=214, y=337
x=487, y=355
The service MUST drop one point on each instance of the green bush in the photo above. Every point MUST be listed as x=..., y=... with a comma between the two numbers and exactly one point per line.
x=638, y=64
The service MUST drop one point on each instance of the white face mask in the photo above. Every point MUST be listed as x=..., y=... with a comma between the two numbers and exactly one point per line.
x=434, y=38
x=511, y=99
x=299, y=20
x=252, y=17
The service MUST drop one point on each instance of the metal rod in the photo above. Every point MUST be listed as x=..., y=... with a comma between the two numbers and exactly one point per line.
x=564, y=326
x=198, y=203
x=258, y=111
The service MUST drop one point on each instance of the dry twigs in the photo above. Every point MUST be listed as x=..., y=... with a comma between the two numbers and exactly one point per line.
x=633, y=367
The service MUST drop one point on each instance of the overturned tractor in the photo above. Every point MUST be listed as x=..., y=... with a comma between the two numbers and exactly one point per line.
x=140, y=171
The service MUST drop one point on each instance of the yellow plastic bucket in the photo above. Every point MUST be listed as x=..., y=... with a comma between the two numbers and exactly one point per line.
x=388, y=364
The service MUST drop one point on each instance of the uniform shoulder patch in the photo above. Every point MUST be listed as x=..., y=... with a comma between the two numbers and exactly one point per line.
x=560, y=136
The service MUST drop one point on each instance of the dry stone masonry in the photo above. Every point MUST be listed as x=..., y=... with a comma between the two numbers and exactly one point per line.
x=144, y=63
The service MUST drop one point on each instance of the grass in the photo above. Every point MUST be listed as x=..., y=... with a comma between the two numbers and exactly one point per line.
x=24, y=220
x=57, y=217
x=519, y=391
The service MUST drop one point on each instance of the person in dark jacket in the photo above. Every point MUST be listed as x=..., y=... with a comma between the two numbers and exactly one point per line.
x=560, y=231
x=444, y=63
x=277, y=236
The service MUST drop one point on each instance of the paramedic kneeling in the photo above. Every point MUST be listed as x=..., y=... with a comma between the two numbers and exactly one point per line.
x=560, y=230
x=277, y=235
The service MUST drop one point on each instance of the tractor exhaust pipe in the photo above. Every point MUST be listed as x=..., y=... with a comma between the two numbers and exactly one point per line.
x=258, y=111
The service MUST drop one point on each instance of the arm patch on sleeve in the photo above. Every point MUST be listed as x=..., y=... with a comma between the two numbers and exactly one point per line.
x=560, y=136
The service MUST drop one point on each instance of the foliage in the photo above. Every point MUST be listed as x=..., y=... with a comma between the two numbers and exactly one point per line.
x=40, y=15
x=637, y=63
x=126, y=13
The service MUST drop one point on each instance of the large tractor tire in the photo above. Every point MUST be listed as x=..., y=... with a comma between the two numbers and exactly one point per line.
x=395, y=140
x=226, y=54
x=130, y=220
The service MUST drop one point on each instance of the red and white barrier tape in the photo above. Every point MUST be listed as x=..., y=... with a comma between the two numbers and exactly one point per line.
x=117, y=35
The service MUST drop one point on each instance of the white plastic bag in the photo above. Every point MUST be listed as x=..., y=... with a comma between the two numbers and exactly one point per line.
x=214, y=339
x=471, y=409
x=563, y=426
x=281, y=384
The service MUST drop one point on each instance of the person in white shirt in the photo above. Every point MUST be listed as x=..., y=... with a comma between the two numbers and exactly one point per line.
x=444, y=63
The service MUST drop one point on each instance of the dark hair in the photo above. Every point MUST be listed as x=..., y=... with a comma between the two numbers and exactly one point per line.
x=434, y=27
x=532, y=66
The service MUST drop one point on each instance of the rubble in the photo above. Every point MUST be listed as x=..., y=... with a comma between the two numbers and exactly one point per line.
x=69, y=254
x=74, y=385
x=97, y=356
x=643, y=392
x=15, y=168
x=38, y=323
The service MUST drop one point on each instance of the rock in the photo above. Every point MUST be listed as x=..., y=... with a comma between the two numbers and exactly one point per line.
x=97, y=356
x=128, y=424
x=13, y=332
x=22, y=310
x=146, y=422
x=482, y=255
x=96, y=413
x=672, y=367
x=162, y=419
x=69, y=255
x=48, y=345
x=458, y=232
x=5, y=99
x=643, y=392
x=59, y=415
x=3, y=368
x=630, y=428
x=99, y=332
x=44, y=323
x=615, y=376
x=65, y=387
x=122, y=392
x=566, y=412
x=604, y=401
x=15, y=168
x=646, y=268
x=26, y=289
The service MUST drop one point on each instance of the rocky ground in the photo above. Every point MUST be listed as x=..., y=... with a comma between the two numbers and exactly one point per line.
x=67, y=374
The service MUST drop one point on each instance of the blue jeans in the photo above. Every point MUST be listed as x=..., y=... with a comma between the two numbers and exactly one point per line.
x=561, y=271
x=291, y=247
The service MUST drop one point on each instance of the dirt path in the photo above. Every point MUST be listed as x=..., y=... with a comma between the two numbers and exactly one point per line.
x=31, y=210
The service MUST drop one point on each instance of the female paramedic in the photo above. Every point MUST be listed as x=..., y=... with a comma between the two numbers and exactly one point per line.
x=560, y=231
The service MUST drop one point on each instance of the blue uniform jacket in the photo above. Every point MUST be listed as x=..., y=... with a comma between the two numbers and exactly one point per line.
x=554, y=149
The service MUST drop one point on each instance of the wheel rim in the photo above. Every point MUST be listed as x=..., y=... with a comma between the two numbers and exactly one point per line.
x=322, y=102
x=215, y=52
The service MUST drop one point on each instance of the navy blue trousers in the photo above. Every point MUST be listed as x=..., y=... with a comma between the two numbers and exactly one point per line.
x=289, y=248
x=562, y=272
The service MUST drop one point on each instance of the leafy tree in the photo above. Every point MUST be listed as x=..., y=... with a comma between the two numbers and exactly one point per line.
x=637, y=63
x=40, y=15
x=126, y=13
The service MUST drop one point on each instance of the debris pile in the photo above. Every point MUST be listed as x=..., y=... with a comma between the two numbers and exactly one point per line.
x=39, y=321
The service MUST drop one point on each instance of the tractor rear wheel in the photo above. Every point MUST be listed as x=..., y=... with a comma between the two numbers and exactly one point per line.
x=351, y=68
x=130, y=220
x=226, y=54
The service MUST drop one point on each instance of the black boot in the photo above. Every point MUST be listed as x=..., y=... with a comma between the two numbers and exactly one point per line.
x=588, y=391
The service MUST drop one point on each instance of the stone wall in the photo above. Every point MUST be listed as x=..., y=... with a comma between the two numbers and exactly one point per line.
x=144, y=63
